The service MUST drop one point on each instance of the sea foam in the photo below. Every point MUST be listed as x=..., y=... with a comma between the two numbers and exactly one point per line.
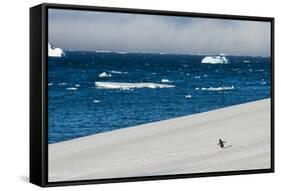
x=128, y=86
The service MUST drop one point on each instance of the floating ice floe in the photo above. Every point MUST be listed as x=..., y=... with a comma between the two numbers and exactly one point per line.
x=54, y=52
x=121, y=52
x=188, y=96
x=96, y=101
x=49, y=84
x=128, y=86
x=218, y=88
x=77, y=85
x=62, y=84
x=221, y=59
x=246, y=61
x=103, y=51
x=71, y=88
x=166, y=80
x=104, y=74
x=118, y=72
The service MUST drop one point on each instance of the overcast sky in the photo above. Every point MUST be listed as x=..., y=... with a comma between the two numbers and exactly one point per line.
x=88, y=30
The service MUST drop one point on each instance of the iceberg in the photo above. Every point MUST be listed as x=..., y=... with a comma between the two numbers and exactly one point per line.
x=121, y=52
x=221, y=59
x=54, y=52
x=166, y=80
x=128, y=86
x=104, y=74
x=103, y=51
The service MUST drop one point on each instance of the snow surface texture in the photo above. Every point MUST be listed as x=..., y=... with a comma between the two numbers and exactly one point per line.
x=54, y=52
x=181, y=145
x=221, y=59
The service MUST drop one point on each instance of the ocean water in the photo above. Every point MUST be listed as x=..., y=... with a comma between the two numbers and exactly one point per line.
x=157, y=87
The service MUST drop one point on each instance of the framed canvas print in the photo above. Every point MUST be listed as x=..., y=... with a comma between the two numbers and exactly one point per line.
x=127, y=95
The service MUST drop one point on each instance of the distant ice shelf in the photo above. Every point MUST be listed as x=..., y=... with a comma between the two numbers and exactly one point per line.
x=54, y=52
x=221, y=59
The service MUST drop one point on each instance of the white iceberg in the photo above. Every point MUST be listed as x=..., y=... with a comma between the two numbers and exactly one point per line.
x=104, y=74
x=128, y=86
x=121, y=52
x=166, y=80
x=221, y=59
x=54, y=52
x=103, y=51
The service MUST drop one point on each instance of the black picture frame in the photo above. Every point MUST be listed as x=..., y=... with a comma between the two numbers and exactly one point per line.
x=39, y=94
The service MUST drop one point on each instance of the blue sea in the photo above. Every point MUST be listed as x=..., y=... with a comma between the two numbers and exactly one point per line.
x=158, y=87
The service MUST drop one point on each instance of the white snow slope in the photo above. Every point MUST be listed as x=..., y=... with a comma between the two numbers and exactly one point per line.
x=176, y=146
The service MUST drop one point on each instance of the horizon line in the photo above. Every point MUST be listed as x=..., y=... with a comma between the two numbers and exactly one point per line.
x=162, y=53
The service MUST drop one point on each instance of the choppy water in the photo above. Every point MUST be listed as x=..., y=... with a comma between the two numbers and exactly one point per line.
x=145, y=88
